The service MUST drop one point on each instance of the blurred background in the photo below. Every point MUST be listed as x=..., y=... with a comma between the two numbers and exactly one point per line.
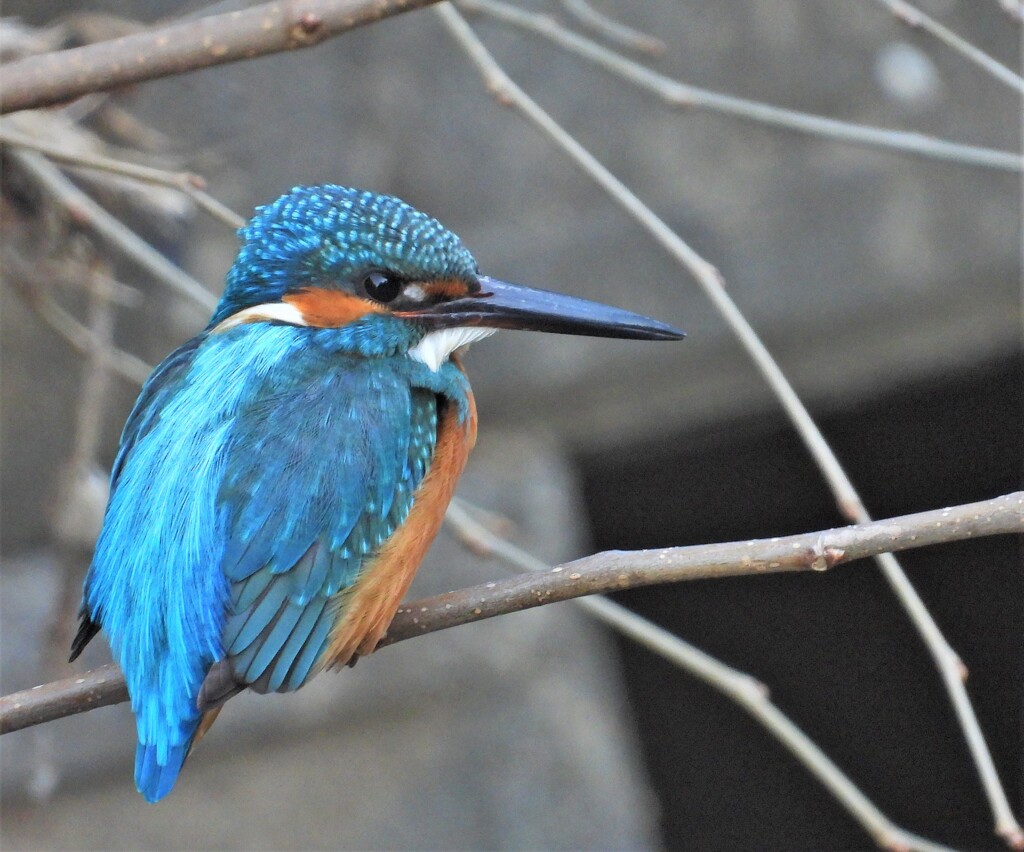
x=887, y=285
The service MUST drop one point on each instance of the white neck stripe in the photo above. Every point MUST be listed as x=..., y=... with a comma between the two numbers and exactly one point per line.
x=269, y=312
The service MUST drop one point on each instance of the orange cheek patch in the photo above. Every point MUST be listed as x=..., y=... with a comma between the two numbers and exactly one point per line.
x=450, y=289
x=330, y=308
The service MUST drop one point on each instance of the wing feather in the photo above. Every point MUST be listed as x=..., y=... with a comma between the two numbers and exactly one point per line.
x=162, y=383
x=312, y=651
x=327, y=476
x=293, y=644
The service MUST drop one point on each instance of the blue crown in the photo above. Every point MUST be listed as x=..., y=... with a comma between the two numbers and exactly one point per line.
x=329, y=235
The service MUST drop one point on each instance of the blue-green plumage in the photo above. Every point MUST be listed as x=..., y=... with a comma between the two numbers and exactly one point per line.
x=268, y=460
x=258, y=471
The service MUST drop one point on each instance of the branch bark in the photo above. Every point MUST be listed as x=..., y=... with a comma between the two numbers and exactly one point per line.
x=603, y=572
x=184, y=46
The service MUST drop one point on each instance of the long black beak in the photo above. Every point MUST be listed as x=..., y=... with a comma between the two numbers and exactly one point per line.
x=499, y=304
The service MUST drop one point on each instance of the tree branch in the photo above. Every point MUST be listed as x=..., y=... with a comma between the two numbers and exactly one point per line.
x=183, y=46
x=122, y=364
x=190, y=184
x=682, y=95
x=914, y=17
x=89, y=214
x=603, y=572
x=615, y=32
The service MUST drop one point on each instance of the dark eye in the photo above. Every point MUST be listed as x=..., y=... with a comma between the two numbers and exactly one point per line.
x=381, y=287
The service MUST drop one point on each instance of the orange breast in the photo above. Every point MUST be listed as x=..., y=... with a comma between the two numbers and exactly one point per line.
x=367, y=607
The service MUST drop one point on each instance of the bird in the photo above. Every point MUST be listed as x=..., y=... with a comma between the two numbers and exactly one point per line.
x=283, y=473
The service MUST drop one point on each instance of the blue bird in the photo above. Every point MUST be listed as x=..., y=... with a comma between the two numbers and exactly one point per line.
x=283, y=473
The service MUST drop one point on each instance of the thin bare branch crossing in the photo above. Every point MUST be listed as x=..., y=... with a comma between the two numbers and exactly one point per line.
x=679, y=94
x=614, y=571
x=612, y=30
x=602, y=572
x=914, y=17
x=122, y=364
x=186, y=182
x=88, y=213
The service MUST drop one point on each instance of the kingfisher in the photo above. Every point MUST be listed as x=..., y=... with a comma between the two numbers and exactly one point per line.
x=282, y=474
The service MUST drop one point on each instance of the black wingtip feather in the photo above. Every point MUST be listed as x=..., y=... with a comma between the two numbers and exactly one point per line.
x=87, y=628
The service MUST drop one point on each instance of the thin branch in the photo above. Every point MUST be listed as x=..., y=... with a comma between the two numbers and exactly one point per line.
x=101, y=687
x=746, y=691
x=92, y=401
x=116, y=121
x=614, y=571
x=602, y=572
x=122, y=364
x=188, y=45
x=914, y=17
x=684, y=95
x=78, y=510
x=711, y=282
x=188, y=183
x=84, y=211
x=612, y=30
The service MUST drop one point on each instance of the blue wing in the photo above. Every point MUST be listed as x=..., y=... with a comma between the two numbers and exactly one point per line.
x=255, y=474
x=325, y=471
x=161, y=384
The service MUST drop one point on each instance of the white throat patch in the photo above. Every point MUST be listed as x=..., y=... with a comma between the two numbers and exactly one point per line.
x=434, y=349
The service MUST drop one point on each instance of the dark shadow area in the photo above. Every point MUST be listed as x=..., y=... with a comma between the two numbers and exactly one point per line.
x=837, y=651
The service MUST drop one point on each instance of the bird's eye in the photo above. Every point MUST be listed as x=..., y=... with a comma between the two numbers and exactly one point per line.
x=382, y=287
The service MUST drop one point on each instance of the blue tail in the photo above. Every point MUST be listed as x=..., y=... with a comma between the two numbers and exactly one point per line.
x=153, y=778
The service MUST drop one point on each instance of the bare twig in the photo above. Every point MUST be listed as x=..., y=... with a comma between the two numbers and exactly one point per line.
x=914, y=17
x=711, y=282
x=183, y=46
x=602, y=572
x=746, y=691
x=186, y=182
x=752, y=697
x=90, y=690
x=612, y=30
x=84, y=211
x=684, y=95
x=122, y=364
x=614, y=571
x=78, y=510
x=92, y=402
x=117, y=122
